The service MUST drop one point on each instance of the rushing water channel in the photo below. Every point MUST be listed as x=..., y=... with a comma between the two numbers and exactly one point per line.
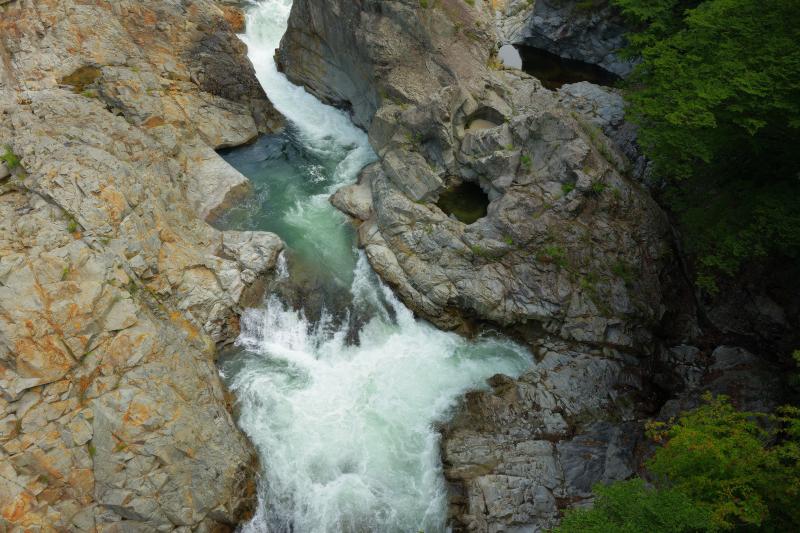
x=344, y=424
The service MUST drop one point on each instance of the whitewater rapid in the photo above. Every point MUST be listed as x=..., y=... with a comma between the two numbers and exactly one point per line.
x=345, y=431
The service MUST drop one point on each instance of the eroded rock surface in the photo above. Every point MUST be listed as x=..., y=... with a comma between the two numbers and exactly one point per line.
x=391, y=52
x=114, y=291
x=516, y=455
x=570, y=244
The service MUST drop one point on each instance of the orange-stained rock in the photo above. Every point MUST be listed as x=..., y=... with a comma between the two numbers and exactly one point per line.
x=110, y=404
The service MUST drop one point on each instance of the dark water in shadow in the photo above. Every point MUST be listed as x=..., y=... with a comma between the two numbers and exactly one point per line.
x=467, y=202
x=554, y=71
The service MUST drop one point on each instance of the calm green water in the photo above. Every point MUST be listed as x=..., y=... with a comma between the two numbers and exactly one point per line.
x=292, y=183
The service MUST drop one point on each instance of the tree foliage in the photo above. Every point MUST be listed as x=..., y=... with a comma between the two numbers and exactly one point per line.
x=718, y=469
x=717, y=98
x=726, y=462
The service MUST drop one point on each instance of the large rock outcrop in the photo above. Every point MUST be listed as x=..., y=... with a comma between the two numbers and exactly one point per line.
x=114, y=291
x=569, y=245
x=359, y=55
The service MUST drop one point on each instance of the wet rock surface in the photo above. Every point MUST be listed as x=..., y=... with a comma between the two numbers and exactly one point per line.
x=114, y=291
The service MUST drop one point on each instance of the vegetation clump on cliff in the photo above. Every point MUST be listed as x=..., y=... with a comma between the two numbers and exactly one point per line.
x=717, y=97
x=719, y=469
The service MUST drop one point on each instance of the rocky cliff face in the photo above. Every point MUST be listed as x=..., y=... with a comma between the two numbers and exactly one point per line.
x=572, y=255
x=391, y=54
x=113, y=288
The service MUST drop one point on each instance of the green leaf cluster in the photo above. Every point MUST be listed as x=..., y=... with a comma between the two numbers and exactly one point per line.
x=717, y=98
x=719, y=469
x=632, y=507
x=9, y=158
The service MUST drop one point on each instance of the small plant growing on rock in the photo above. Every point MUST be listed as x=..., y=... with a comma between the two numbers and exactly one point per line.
x=526, y=161
x=554, y=254
x=479, y=251
x=567, y=188
x=10, y=159
x=598, y=187
x=623, y=271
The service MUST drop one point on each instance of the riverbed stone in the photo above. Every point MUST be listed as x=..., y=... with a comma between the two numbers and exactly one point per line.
x=355, y=200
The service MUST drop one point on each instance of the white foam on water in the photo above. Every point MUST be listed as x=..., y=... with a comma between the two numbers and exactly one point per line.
x=325, y=129
x=346, y=432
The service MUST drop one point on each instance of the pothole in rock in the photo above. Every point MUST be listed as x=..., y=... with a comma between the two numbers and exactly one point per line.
x=484, y=119
x=553, y=70
x=465, y=201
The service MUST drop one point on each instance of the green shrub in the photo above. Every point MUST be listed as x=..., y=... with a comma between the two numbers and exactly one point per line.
x=598, y=187
x=554, y=254
x=729, y=462
x=631, y=507
x=718, y=469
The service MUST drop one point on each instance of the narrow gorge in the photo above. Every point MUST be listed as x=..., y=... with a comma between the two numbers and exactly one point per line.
x=318, y=266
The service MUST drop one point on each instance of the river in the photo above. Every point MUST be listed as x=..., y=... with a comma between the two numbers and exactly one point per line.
x=341, y=401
